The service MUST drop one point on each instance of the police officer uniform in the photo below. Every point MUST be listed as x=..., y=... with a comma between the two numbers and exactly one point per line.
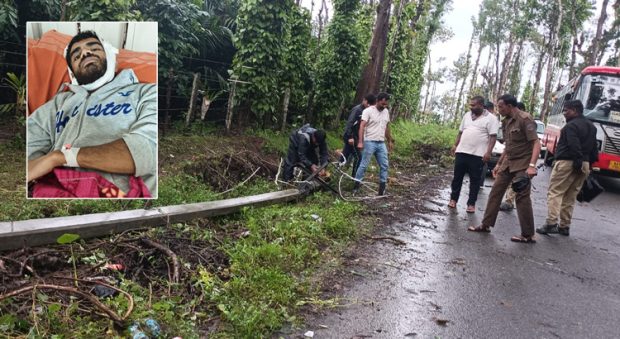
x=519, y=133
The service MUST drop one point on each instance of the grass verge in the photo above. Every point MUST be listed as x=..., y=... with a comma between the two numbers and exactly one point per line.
x=242, y=276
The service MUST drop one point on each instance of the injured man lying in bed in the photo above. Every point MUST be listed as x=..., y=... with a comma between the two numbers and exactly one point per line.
x=98, y=137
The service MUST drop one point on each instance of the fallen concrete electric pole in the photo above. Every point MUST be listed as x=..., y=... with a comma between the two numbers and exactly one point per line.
x=34, y=232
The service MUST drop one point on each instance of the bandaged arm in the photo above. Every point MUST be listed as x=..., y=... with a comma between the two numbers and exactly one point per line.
x=135, y=153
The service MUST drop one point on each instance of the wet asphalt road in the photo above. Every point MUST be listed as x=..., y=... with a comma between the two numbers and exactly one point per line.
x=484, y=285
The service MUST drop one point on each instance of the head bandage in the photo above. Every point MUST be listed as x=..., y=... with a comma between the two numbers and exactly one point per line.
x=110, y=54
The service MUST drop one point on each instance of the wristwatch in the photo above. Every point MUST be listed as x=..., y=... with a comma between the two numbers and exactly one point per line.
x=533, y=165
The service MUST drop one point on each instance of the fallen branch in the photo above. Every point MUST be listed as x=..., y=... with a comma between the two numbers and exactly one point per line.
x=22, y=265
x=398, y=241
x=275, y=181
x=111, y=314
x=172, y=255
x=99, y=282
x=241, y=184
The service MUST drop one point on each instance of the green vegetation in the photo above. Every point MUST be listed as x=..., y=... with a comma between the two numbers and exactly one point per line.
x=178, y=184
x=273, y=257
x=340, y=62
x=269, y=269
x=409, y=135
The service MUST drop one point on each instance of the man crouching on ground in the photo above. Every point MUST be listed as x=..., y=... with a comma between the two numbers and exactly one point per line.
x=302, y=147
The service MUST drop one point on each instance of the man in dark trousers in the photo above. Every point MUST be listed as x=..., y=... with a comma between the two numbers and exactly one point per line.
x=351, y=132
x=518, y=160
x=472, y=149
x=509, y=199
x=575, y=153
x=302, y=150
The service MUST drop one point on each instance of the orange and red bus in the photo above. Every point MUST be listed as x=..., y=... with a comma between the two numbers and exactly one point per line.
x=598, y=88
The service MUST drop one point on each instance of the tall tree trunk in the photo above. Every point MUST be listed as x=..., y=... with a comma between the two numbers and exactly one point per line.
x=63, y=10
x=550, y=66
x=601, y=53
x=433, y=92
x=429, y=82
x=512, y=39
x=596, y=42
x=539, y=68
x=474, y=75
x=390, y=58
x=487, y=73
x=576, y=45
x=287, y=96
x=467, y=64
x=372, y=74
x=456, y=114
x=310, y=111
x=513, y=83
x=495, y=87
x=506, y=64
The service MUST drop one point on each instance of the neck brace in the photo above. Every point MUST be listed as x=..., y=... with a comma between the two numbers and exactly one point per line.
x=110, y=54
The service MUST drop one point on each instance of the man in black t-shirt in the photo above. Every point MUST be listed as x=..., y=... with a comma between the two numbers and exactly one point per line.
x=351, y=132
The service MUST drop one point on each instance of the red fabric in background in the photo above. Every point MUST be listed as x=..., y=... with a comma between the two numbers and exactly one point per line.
x=68, y=183
x=47, y=68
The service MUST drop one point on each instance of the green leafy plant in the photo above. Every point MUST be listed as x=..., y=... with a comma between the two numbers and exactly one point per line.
x=340, y=61
x=70, y=238
x=259, y=39
x=17, y=83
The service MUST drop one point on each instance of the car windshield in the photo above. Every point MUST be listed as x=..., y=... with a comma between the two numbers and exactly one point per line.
x=540, y=128
x=603, y=98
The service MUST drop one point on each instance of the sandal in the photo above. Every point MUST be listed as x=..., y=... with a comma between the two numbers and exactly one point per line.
x=452, y=204
x=471, y=209
x=522, y=239
x=480, y=229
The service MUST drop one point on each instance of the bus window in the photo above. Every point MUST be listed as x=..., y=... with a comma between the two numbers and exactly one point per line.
x=603, y=102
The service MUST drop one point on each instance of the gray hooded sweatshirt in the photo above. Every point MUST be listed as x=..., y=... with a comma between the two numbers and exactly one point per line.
x=122, y=108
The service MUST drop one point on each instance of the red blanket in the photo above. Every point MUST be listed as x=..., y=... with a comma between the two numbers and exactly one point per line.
x=69, y=183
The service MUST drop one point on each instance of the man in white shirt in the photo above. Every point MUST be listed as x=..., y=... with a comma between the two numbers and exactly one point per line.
x=373, y=133
x=472, y=149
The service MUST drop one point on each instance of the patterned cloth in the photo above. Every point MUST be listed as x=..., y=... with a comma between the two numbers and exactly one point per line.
x=69, y=183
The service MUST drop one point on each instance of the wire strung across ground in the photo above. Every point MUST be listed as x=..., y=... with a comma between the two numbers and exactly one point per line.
x=337, y=165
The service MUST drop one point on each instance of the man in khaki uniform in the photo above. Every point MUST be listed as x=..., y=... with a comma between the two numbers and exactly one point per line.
x=575, y=153
x=509, y=201
x=518, y=160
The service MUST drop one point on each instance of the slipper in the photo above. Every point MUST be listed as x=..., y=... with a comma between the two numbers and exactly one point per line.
x=471, y=209
x=452, y=204
x=522, y=239
x=480, y=229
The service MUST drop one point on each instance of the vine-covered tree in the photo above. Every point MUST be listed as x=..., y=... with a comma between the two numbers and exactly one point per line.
x=295, y=73
x=260, y=39
x=339, y=64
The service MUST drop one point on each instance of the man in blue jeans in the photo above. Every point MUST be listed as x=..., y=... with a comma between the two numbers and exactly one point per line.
x=374, y=132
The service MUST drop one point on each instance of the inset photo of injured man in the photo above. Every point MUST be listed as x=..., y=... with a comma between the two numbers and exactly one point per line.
x=92, y=110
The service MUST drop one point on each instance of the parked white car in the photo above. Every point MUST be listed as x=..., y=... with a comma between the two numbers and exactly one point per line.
x=540, y=130
x=497, y=151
